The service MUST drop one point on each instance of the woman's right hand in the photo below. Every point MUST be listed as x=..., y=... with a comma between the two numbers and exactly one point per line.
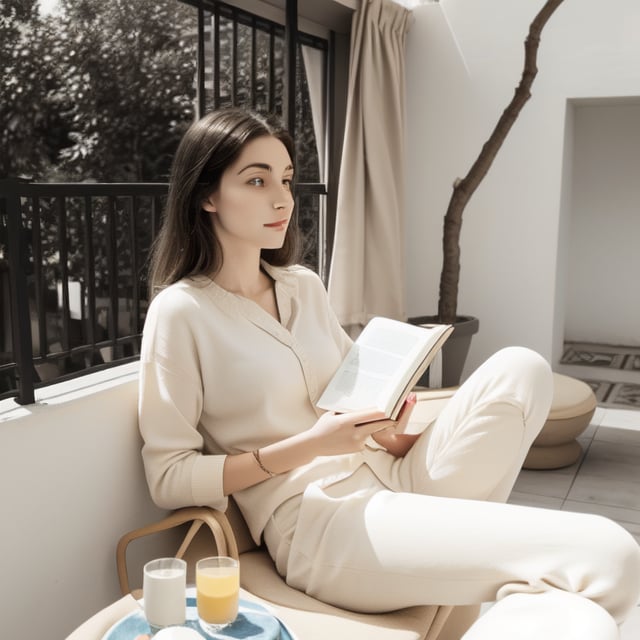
x=340, y=433
x=332, y=434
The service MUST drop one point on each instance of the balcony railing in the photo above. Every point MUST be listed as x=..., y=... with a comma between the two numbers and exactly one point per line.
x=73, y=291
x=72, y=286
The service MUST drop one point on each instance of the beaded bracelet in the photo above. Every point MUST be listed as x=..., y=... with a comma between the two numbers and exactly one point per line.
x=256, y=455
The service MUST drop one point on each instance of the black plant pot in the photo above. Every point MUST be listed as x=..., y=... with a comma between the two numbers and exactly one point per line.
x=455, y=349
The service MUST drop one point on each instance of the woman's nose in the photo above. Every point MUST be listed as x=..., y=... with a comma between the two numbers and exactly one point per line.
x=283, y=199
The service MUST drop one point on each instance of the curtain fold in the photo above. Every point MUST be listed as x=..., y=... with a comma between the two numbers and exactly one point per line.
x=367, y=267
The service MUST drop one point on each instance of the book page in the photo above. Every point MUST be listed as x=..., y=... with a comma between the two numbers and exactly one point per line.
x=379, y=366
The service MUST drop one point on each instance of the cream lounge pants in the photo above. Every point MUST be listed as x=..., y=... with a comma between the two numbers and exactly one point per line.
x=432, y=527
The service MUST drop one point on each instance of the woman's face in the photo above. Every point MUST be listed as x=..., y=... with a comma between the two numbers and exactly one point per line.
x=253, y=204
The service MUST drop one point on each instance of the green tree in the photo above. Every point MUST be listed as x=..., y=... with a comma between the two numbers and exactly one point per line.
x=96, y=91
x=127, y=86
x=30, y=129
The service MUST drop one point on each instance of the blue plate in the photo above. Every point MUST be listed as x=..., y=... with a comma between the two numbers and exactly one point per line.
x=254, y=622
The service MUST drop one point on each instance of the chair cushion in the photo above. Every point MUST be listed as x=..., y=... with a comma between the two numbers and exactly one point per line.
x=310, y=619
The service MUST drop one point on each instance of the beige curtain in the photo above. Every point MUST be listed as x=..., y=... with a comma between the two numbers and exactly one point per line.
x=367, y=267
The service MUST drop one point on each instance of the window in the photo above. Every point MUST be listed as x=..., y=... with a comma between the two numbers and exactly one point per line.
x=244, y=62
x=75, y=235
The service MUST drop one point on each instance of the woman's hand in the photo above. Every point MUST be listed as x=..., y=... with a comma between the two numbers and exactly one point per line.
x=339, y=433
x=398, y=444
x=333, y=434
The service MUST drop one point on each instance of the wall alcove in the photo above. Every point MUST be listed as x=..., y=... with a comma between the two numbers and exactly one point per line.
x=599, y=248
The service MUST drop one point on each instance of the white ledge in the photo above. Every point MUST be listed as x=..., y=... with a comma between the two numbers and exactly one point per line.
x=70, y=390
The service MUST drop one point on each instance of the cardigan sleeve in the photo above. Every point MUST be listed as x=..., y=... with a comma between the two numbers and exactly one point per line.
x=178, y=471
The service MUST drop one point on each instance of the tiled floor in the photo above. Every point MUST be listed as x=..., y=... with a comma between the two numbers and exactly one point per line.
x=606, y=480
x=615, y=386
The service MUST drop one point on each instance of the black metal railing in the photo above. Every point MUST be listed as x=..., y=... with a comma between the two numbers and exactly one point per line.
x=73, y=291
x=72, y=287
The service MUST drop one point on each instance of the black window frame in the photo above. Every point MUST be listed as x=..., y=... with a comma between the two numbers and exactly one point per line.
x=325, y=189
x=82, y=338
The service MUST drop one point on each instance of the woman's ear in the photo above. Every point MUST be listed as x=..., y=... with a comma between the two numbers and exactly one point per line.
x=208, y=204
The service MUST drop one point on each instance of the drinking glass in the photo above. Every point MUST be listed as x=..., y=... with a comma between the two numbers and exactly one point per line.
x=164, y=592
x=217, y=592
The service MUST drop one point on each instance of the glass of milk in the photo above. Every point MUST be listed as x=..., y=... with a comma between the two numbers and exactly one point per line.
x=164, y=592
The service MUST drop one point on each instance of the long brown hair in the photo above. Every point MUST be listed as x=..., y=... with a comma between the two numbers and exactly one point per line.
x=186, y=244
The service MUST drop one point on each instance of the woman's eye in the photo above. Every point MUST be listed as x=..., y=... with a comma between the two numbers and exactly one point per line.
x=257, y=182
x=287, y=182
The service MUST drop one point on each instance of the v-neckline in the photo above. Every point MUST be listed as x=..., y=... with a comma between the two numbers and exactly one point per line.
x=283, y=294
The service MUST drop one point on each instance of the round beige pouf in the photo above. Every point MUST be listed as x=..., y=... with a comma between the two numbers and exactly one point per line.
x=572, y=407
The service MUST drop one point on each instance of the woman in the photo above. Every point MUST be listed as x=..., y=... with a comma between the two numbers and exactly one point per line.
x=239, y=343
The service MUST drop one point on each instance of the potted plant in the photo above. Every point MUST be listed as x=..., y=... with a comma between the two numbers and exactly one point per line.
x=456, y=348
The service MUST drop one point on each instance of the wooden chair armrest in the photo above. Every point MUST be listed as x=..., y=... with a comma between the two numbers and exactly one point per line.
x=214, y=519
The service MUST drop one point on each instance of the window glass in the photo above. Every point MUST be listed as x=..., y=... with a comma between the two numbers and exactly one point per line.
x=247, y=69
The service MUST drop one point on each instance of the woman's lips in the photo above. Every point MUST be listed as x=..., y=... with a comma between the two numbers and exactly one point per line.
x=281, y=224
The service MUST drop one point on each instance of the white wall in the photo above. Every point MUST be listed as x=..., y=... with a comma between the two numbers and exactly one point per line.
x=602, y=301
x=464, y=60
x=71, y=483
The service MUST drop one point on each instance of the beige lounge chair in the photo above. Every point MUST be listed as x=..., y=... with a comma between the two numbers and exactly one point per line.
x=306, y=617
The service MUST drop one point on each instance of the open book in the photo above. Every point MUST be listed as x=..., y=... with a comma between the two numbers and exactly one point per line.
x=383, y=365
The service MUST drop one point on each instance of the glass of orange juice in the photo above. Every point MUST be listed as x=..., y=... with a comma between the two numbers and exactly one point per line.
x=217, y=592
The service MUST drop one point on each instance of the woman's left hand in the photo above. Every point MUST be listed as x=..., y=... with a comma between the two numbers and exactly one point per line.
x=393, y=439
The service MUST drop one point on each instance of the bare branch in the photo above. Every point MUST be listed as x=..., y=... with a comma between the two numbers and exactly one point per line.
x=465, y=187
